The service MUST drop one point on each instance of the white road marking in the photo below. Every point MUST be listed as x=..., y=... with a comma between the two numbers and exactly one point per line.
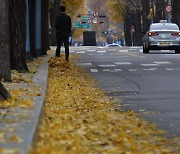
x=101, y=47
x=132, y=70
x=149, y=64
x=91, y=50
x=101, y=51
x=150, y=69
x=134, y=47
x=117, y=70
x=123, y=50
x=84, y=64
x=72, y=51
x=107, y=65
x=169, y=69
x=94, y=70
x=162, y=62
x=141, y=50
x=122, y=63
x=106, y=70
x=80, y=52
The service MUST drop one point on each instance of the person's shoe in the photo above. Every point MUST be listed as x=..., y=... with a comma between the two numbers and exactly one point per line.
x=67, y=59
x=57, y=55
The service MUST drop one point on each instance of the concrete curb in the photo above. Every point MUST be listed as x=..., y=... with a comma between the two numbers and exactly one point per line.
x=26, y=128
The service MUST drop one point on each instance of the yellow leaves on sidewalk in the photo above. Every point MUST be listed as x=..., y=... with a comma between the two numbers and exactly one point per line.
x=79, y=118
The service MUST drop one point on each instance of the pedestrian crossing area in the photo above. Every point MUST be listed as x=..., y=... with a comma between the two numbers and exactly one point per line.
x=119, y=67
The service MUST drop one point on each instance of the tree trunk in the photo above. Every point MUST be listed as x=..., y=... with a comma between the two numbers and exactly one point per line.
x=160, y=10
x=176, y=11
x=44, y=27
x=127, y=29
x=53, y=14
x=4, y=94
x=18, y=34
x=32, y=28
x=145, y=12
x=5, y=69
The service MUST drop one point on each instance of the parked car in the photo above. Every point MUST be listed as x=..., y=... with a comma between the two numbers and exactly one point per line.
x=162, y=36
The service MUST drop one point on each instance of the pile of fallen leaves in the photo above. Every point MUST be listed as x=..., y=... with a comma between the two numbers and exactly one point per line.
x=80, y=118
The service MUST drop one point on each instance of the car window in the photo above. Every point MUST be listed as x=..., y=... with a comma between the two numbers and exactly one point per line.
x=164, y=27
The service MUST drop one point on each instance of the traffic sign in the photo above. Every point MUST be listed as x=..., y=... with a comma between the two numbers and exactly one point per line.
x=168, y=8
x=89, y=21
x=95, y=14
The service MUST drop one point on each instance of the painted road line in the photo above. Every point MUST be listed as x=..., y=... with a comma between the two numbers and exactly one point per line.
x=72, y=51
x=101, y=51
x=117, y=70
x=134, y=47
x=162, y=62
x=169, y=69
x=84, y=64
x=80, y=52
x=150, y=69
x=132, y=70
x=123, y=63
x=141, y=50
x=123, y=50
x=91, y=50
x=149, y=64
x=107, y=65
x=106, y=70
x=94, y=70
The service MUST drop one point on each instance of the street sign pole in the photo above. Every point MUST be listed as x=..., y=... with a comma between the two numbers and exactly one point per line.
x=169, y=13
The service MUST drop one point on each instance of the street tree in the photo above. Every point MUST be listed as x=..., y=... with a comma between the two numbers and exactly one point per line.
x=17, y=18
x=5, y=73
x=176, y=12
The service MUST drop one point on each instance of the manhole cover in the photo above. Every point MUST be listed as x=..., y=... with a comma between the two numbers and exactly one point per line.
x=123, y=93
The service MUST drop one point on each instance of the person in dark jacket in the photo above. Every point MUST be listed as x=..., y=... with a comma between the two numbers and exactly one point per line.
x=63, y=31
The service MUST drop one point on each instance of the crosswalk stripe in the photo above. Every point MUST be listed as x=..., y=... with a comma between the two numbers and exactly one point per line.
x=162, y=62
x=80, y=52
x=106, y=70
x=122, y=63
x=150, y=69
x=84, y=64
x=94, y=70
x=149, y=64
x=101, y=51
x=107, y=65
x=123, y=50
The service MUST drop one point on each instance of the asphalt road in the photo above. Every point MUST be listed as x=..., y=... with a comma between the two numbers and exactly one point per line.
x=145, y=83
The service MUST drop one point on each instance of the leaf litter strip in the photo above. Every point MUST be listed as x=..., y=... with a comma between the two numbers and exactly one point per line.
x=80, y=118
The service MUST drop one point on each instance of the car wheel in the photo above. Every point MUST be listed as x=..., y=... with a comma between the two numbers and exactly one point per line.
x=177, y=51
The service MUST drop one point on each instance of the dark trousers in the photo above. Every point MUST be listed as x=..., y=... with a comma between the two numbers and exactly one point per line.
x=65, y=40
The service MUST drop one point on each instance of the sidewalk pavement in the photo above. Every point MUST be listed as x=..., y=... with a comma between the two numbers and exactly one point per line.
x=18, y=125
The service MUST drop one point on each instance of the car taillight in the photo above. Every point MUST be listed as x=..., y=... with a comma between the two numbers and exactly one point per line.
x=176, y=34
x=152, y=34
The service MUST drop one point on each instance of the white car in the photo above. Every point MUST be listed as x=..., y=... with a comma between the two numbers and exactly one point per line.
x=162, y=36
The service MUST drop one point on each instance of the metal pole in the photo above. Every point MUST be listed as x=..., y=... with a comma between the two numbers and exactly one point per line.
x=169, y=13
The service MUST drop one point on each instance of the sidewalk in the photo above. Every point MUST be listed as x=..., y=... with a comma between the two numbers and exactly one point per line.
x=18, y=124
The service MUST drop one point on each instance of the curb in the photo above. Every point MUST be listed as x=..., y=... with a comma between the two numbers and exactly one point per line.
x=27, y=127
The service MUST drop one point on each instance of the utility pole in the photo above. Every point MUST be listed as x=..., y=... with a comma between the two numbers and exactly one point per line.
x=169, y=15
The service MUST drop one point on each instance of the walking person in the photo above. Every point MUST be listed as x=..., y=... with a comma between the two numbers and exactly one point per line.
x=63, y=31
